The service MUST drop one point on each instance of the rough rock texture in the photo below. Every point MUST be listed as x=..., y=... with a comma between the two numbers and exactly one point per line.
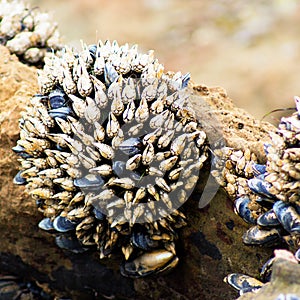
x=209, y=248
x=223, y=119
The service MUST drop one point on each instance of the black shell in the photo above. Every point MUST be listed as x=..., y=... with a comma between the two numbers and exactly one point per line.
x=259, y=169
x=241, y=207
x=18, y=179
x=287, y=216
x=242, y=282
x=62, y=224
x=131, y=146
x=267, y=219
x=89, y=181
x=57, y=99
x=260, y=186
x=46, y=224
x=257, y=236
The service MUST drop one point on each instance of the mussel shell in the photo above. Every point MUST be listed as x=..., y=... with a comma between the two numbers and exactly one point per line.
x=19, y=150
x=242, y=282
x=266, y=146
x=149, y=263
x=119, y=167
x=241, y=208
x=110, y=73
x=57, y=99
x=131, y=146
x=259, y=169
x=265, y=202
x=185, y=80
x=297, y=255
x=266, y=270
x=98, y=214
x=70, y=243
x=62, y=224
x=260, y=186
x=19, y=180
x=143, y=241
x=46, y=224
x=61, y=112
x=257, y=236
x=89, y=181
x=268, y=219
x=92, y=50
x=287, y=216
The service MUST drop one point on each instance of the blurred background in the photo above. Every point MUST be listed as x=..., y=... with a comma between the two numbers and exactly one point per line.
x=250, y=48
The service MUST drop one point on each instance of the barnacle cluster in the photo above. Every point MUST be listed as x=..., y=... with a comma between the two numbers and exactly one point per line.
x=270, y=199
x=232, y=168
x=27, y=32
x=283, y=154
x=110, y=150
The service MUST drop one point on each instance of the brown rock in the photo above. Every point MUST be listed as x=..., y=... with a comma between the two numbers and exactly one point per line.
x=223, y=119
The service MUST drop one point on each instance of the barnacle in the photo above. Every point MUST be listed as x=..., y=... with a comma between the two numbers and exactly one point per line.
x=27, y=32
x=110, y=150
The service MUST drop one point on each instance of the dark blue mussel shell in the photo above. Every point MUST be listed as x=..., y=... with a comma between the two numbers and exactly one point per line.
x=18, y=179
x=242, y=209
x=287, y=216
x=268, y=219
x=62, y=224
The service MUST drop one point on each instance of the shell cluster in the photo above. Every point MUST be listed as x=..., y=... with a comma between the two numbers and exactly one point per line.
x=270, y=199
x=110, y=150
x=232, y=168
x=283, y=159
x=27, y=32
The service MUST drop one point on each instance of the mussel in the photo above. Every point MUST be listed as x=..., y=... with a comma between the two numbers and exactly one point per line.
x=149, y=263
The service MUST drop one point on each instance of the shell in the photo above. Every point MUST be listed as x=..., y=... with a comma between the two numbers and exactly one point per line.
x=149, y=263
x=257, y=236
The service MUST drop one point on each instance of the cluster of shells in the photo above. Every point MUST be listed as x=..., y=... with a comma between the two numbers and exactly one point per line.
x=110, y=150
x=27, y=32
x=267, y=195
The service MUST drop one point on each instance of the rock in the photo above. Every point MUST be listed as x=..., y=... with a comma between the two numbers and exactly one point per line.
x=222, y=118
